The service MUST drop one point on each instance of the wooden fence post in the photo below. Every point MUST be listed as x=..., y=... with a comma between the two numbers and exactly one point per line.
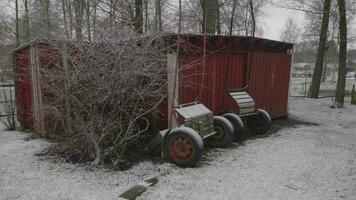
x=353, y=95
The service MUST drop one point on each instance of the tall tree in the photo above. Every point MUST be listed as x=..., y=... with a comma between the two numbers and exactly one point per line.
x=340, y=87
x=315, y=86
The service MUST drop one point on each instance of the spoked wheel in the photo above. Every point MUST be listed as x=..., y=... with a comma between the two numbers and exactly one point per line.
x=259, y=123
x=183, y=146
x=236, y=123
x=224, y=132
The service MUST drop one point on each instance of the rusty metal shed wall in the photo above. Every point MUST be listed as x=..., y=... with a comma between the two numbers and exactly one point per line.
x=23, y=87
x=265, y=68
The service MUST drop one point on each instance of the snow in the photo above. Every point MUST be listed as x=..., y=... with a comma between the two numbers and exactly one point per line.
x=26, y=176
x=305, y=161
x=302, y=162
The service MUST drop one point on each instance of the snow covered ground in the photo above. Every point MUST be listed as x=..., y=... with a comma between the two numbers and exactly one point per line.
x=28, y=177
x=309, y=161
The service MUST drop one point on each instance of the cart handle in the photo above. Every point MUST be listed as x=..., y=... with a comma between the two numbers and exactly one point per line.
x=186, y=104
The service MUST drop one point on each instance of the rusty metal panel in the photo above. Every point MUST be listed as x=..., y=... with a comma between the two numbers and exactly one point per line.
x=206, y=85
x=269, y=82
x=23, y=87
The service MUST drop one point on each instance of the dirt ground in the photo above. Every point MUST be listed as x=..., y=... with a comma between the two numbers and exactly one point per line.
x=310, y=156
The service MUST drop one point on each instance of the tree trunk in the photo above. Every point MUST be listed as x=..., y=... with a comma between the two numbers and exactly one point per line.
x=146, y=16
x=341, y=79
x=158, y=22
x=111, y=14
x=88, y=19
x=315, y=86
x=17, y=35
x=94, y=20
x=79, y=10
x=138, y=16
x=45, y=6
x=27, y=22
x=64, y=10
x=70, y=13
x=210, y=15
x=218, y=22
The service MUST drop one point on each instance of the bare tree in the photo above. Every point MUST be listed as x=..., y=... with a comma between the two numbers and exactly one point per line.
x=46, y=16
x=138, y=16
x=17, y=31
x=340, y=88
x=27, y=21
x=79, y=11
x=315, y=86
x=291, y=32
x=158, y=16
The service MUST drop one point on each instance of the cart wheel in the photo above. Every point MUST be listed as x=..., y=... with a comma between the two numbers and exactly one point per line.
x=236, y=123
x=224, y=132
x=183, y=146
x=259, y=123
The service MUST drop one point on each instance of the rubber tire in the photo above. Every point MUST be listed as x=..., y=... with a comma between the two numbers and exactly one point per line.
x=193, y=137
x=221, y=141
x=236, y=122
x=264, y=119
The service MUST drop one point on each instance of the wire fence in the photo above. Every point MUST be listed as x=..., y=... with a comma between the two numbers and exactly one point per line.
x=299, y=87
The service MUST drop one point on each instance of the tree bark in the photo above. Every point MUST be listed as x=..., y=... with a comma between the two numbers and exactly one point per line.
x=88, y=19
x=79, y=10
x=158, y=22
x=138, y=16
x=218, y=22
x=94, y=18
x=210, y=15
x=70, y=13
x=17, y=35
x=341, y=79
x=46, y=17
x=315, y=86
x=27, y=22
x=64, y=11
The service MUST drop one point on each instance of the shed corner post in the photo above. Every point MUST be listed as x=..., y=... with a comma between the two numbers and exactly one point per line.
x=36, y=92
x=172, y=88
x=290, y=80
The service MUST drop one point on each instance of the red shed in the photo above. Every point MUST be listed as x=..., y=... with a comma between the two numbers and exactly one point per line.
x=264, y=65
x=207, y=66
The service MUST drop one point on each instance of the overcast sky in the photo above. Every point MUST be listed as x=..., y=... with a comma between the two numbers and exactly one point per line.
x=275, y=18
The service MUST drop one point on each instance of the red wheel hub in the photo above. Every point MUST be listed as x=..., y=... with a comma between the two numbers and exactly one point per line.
x=181, y=148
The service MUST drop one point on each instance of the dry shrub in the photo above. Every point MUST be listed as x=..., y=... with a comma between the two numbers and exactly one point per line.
x=101, y=94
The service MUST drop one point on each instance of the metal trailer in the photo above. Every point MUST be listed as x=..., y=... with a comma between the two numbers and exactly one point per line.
x=184, y=145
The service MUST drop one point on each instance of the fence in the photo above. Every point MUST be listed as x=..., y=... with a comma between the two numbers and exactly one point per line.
x=7, y=105
x=299, y=87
